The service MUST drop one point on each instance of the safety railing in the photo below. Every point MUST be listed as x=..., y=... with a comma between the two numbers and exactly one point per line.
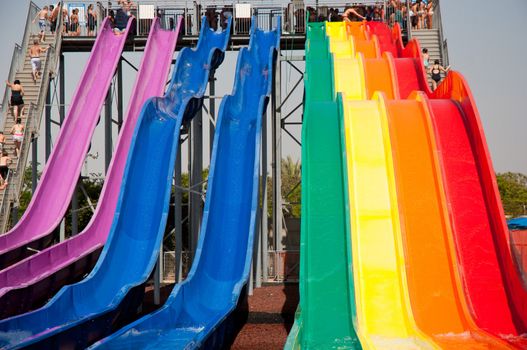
x=32, y=122
x=15, y=177
x=17, y=53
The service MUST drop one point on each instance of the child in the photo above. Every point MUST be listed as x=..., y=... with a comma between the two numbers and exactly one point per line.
x=426, y=58
x=42, y=19
x=34, y=52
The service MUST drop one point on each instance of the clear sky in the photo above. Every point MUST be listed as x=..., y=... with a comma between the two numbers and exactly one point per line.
x=486, y=44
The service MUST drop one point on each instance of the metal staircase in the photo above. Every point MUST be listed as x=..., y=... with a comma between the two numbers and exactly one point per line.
x=34, y=99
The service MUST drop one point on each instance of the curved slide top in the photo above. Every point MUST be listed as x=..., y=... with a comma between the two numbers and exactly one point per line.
x=150, y=81
x=61, y=173
x=81, y=313
x=324, y=319
x=197, y=312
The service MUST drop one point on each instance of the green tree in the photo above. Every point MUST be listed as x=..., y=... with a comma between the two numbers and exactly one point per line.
x=513, y=191
x=291, y=172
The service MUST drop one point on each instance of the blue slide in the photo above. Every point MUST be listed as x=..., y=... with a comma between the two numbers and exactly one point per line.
x=89, y=310
x=198, y=311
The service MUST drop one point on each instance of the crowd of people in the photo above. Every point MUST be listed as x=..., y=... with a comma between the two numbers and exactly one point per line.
x=71, y=21
x=419, y=12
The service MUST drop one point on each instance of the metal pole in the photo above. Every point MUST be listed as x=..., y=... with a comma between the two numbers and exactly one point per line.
x=178, y=229
x=264, y=227
x=75, y=212
x=14, y=214
x=195, y=179
x=62, y=83
x=212, y=111
x=277, y=158
x=157, y=279
x=34, y=157
x=47, y=126
x=120, y=95
x=108, y=129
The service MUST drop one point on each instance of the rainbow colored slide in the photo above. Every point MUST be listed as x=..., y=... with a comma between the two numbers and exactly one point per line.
x=428, y=264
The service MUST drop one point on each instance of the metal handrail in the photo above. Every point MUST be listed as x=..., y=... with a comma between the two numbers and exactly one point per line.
x=12, y=73
x=28, y=30
x=32, y=122
x=13, y=187
x=438, y=23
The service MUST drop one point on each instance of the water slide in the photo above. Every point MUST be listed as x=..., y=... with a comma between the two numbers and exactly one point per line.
x=430, y=293
x=324, y=319
x=490, y=287
x=199, y=311
x=61, y=173
x=31, y=282
x=84, y=312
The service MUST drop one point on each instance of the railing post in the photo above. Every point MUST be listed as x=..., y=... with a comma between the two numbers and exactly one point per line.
x=62, y=83
x=47, y=124
x=34, y=157
x=108, y=129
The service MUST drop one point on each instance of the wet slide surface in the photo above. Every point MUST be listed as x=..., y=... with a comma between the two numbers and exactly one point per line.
x=197, y=313
x=32, y=281
x=84, y=312
x=61, y=173
x=325, y=316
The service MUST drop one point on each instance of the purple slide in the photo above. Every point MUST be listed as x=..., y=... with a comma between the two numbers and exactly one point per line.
x=61, y=173
x=31, y=281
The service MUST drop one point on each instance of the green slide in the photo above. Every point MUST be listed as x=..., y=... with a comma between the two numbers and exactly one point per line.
x=327, y=304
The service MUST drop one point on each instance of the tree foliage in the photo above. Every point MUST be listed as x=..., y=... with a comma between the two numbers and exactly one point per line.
x=513, y=191
x=291, y=172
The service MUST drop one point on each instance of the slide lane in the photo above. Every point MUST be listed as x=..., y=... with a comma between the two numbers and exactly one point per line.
x=32, y=281
x=61, y=172
x=491, y=281
x=86, y=311
x=325, y=316
x=199, y=312
x=436, y=295
x=384, y=314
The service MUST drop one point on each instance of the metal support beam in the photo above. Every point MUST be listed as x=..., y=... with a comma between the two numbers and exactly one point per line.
x=62, y=83
x=276, y=102
x=47, y=126
x=14, y=215
x=178, y=228
x=157, y=277
x=120, y=95
x=264, y=246
x=196, y=144
x=34, y=164
x=75, y=211
x=108, y=129
x=212, y=112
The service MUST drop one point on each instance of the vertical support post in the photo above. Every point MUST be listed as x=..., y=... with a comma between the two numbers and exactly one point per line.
x=74, y=211
x=157, y=279
x=120, y=95
x=47, y=122
x=277, y=156
x=62, y=83
x=212, y=110
x=195, y=179
x=178, y=228
x=34, y=158
x=264, y=227
x=108, y=129
x=14, y=214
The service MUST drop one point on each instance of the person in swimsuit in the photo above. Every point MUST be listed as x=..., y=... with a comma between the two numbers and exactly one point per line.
x=429, y=13
x=75, y=29
x=2, y=141
x=54, y=10
x=436, y=70
x=92, y=20
x=34, y=52
x=351, y=15
x=65, y=20
x=18, y=134
x=42, y=21
x=17, y=102
x=5, y=160
x=426, y=58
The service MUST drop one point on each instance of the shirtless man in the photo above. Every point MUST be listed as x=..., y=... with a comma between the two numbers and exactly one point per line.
x=34, y=52
x=18, y=134
x=351, y=14
x=42, y=19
